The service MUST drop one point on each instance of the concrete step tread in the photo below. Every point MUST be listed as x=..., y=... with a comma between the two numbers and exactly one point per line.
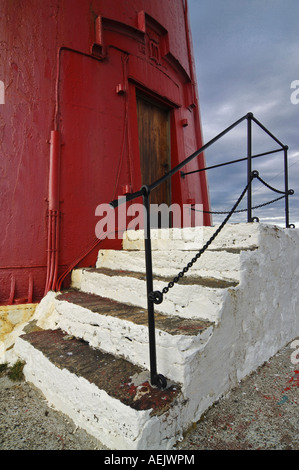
x=233, y=236
x=211, y=282
x=216, y=264
x=119, y=378
x=172, y=325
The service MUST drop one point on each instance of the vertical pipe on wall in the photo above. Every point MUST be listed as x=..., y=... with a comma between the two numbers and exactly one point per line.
x=53, y=212
x=12, y=290
x=54, y=171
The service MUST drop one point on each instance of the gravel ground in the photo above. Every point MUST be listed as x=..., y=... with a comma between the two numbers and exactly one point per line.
x=261, y=413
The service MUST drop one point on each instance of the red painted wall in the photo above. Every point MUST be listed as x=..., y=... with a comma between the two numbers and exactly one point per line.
x=73, y=67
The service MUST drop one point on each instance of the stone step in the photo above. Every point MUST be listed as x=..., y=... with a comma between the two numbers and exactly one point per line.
x=233, y=237
x=247, y=323
x=122, y=330
x=211, y=264
x=190, y=298
x=109, y=397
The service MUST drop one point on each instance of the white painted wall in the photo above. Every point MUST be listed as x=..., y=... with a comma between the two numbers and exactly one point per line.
x=258, y=318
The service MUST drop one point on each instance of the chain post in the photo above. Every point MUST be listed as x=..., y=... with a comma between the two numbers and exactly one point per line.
x=249, y=166
x=156, y=379
x=286, y=186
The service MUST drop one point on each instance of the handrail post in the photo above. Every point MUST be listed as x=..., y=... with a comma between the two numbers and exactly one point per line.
x=286, y=186
x=249, y=166
x=156, y=379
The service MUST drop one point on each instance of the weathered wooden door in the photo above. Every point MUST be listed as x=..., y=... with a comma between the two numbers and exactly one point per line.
x=154, y=147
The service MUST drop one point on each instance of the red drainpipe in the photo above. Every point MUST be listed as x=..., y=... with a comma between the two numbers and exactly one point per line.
x=53, y=212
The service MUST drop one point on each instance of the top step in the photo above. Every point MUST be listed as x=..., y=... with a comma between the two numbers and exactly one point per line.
x=233, y=237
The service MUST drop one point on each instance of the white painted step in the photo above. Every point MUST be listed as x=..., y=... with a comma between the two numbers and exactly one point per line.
x=253, y=320
x=212, y=264
x=190, y=298
x=122, y=330
x=110, y=398
x=232, y=237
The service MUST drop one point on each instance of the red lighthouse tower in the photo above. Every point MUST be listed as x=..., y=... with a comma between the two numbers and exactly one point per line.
x=100, y=98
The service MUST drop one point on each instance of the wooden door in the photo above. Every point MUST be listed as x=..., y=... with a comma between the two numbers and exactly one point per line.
x=154, y=147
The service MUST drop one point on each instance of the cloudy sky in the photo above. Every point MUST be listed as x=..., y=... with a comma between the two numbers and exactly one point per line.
x=247, y=56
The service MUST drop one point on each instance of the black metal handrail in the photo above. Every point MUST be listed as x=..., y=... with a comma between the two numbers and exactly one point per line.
x=157, y=297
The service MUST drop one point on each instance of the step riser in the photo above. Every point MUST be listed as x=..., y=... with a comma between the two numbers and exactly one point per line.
x=175, y=353
x=116, y=425
x=212, y=264
x=235, y=236
x=186, y=301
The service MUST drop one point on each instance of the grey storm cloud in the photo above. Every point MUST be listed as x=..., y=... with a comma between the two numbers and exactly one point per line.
x=247, y=56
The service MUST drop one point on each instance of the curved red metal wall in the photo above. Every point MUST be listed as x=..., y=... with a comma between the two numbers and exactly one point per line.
x=68, y=128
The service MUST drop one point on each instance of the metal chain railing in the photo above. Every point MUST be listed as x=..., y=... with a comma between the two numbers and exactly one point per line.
x=256, y=174
x=157, y=296
x=240, y=210
x=271, y=187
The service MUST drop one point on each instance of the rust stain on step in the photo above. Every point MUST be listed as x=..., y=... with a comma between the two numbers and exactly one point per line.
x=114, y=375
x=170, y=324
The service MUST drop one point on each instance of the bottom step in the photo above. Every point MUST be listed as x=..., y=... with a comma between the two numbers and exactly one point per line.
x=109, y=397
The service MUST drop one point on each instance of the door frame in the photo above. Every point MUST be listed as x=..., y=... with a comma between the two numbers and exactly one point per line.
x=153, y=164
x=133, y=90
